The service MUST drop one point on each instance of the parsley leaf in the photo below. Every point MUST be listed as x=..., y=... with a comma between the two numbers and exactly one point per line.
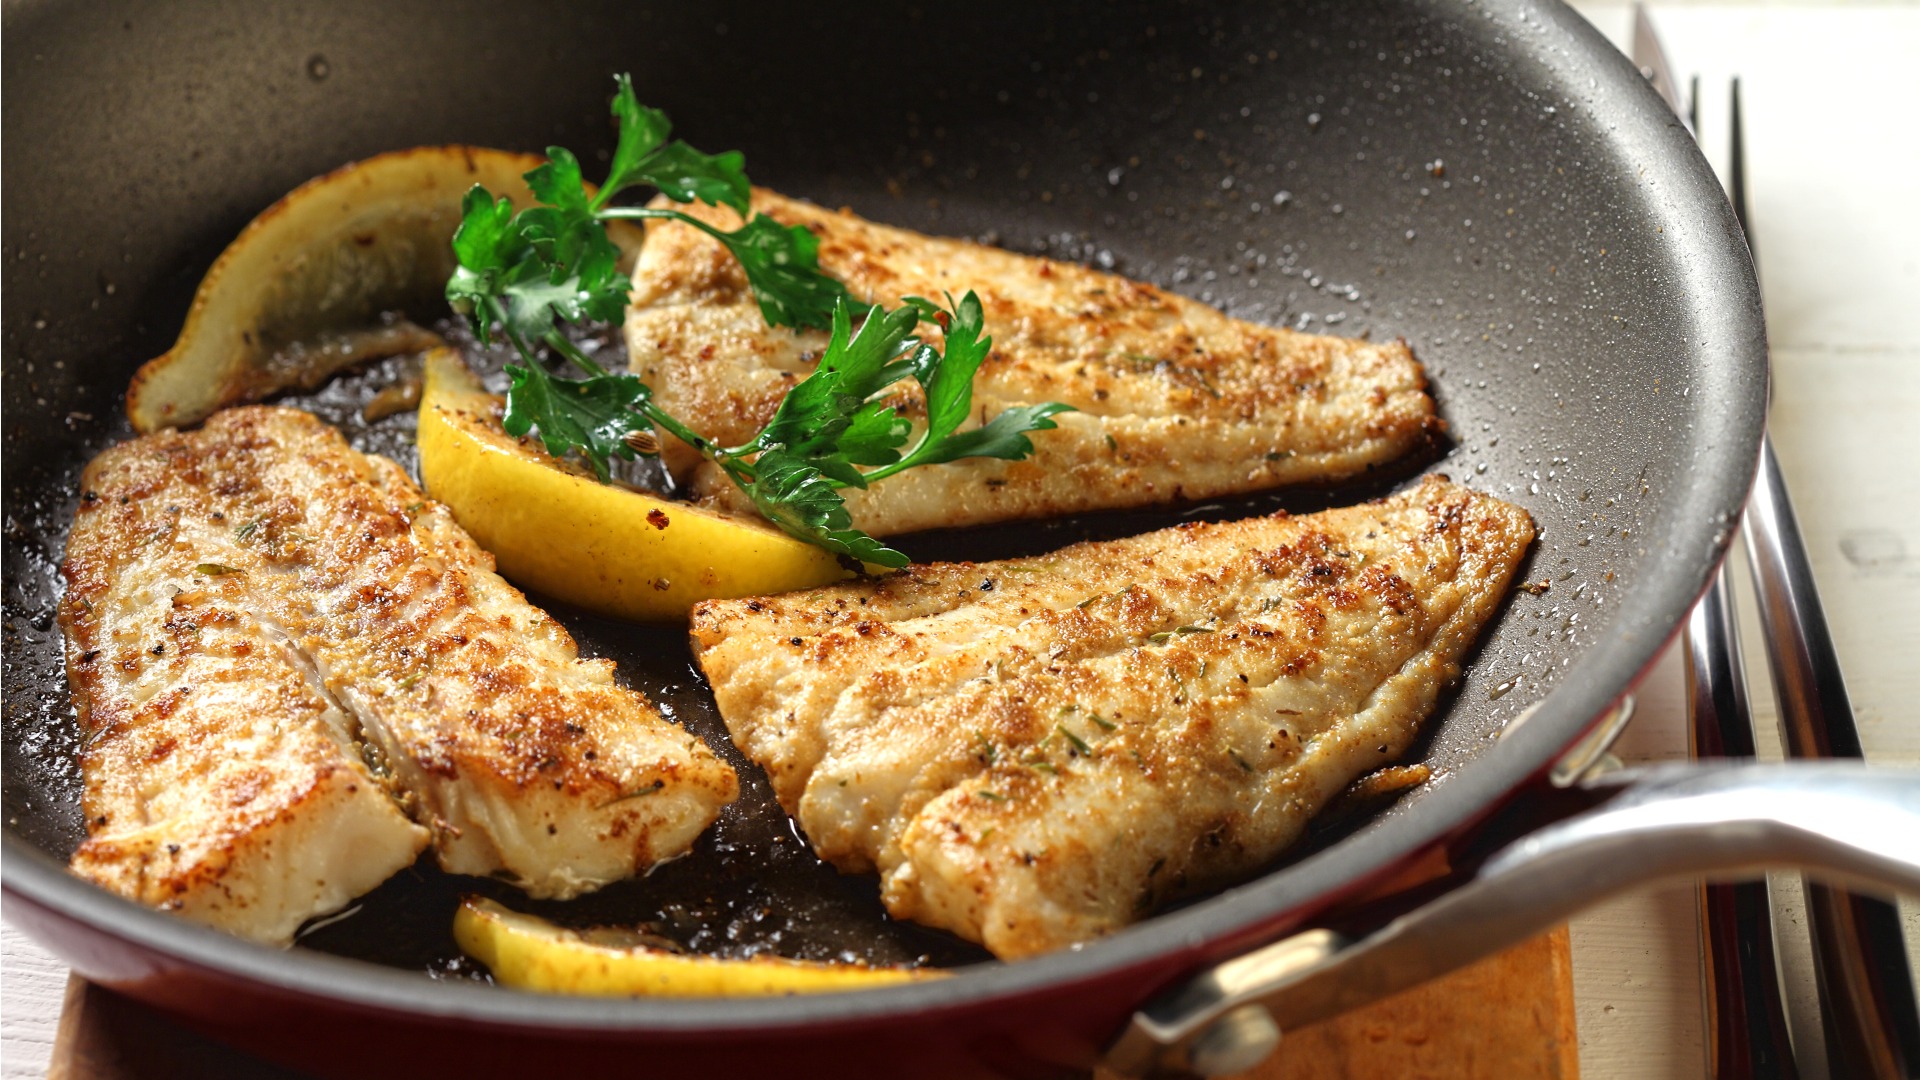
x=832, y=407
x=783, y=267
x=519, y=274
x=798, y=497
x=947, y=380
x=593, y=415
x=1003, y=437
x=644, y=157
x=820, y=409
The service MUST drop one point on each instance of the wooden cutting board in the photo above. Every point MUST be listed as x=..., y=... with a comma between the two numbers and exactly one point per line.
x=1509, y=1017
x=1506, y=1018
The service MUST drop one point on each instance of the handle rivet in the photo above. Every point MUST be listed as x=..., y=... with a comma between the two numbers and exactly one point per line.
x=1235, y=1043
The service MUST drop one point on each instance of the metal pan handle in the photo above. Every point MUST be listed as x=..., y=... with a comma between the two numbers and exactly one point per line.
x=1847, y=822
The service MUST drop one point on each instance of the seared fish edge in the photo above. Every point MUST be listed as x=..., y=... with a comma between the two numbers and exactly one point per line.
x=1037, y=752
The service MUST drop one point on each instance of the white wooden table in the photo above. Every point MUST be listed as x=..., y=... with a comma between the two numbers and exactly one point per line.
x=1834, y=158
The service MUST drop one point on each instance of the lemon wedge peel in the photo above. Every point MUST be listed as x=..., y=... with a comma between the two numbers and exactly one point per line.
x=532, y=954
x=298, y=295
x=605, y=547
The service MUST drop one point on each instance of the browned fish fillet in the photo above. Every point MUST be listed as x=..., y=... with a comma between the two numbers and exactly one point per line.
x=254, y=605
x=1176, y=401
x=1037, y=752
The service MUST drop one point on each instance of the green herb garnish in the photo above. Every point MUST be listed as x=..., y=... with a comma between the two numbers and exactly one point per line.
x=1165, y=636
x=988, y=752
x=520, y=272
x=637, y=793
x=1076, y=741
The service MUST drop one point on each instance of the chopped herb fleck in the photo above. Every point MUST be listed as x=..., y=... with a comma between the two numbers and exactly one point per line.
x=1102, y=722
x=214, y=569
x=1238, y=760
x=244, y=532
x=1078, y=743
x=638, y=793
x=993, y=796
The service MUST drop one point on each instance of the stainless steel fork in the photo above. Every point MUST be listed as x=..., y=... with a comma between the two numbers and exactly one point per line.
x=1860, y=959
x=1866, y=991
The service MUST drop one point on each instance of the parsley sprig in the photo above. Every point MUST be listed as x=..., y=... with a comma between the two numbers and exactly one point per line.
x=519, y=274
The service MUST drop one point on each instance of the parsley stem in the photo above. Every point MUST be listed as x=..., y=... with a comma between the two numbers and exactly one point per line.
x=902, y=465
x=638, y=212
x=667, y=423
x=728, y=459
x=561, y=344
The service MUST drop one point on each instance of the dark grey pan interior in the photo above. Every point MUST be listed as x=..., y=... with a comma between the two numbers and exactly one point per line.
x=1491, y=185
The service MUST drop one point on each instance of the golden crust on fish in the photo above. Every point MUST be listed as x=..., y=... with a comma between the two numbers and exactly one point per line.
x=1037, y=752
x=1176, y=400
x=222, y=782
x=254, y=608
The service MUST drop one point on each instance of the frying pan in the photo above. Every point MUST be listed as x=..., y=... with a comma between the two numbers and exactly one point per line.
x=1492, y=183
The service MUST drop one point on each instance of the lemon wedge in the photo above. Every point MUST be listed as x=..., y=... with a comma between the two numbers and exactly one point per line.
x=300, y=293
x=533, y=954
x=608, y=548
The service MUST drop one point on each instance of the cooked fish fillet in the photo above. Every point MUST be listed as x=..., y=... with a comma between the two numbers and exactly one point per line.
x=1037, y=752
x=254, y=606
x=1176, y=400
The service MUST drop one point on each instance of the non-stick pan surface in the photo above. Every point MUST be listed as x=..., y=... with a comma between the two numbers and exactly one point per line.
x=1491, y=183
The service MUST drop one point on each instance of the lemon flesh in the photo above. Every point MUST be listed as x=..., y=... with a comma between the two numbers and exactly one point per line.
x=533, y=954
x=604, y=547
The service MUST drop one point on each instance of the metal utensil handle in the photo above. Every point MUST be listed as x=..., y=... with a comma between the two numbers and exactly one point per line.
x=1849, y=822
x=1746, y=1019
x=1860, y=959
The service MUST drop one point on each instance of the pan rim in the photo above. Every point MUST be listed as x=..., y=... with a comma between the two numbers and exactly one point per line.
x=1189, y=936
